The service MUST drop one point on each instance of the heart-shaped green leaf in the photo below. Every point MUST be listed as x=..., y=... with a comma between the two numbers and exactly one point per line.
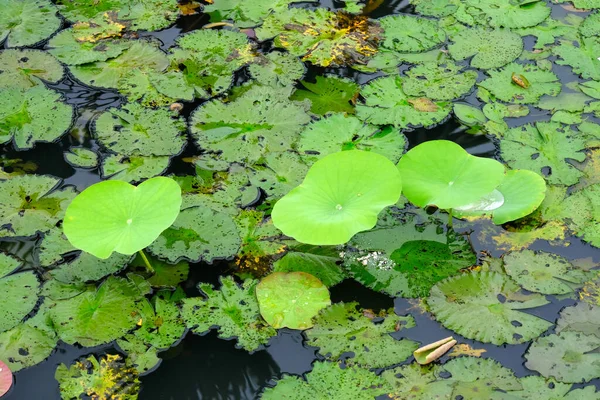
x=341, y=195
x=441, y=173
x=116, y=216
x=291, y=299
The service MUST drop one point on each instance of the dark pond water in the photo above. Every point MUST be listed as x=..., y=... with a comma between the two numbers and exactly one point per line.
x=205, y=367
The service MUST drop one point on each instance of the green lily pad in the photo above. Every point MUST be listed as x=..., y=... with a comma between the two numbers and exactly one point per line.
x=20, y=291
x=116, y=216
x=438, y=82
x=567, y=357
x=165, y=275
x=537, y=387
x=589, y=27
x=543, y=272
x=387, y=104
x=339, y=132
x=545, y=145
x=27, y=22
x=341, y=328
x=490, y=48
x=133, y=168
x=541, y=82
x=8, y=264
x=243, y=14
x=551, y=29
x=98, y=39
x=26, y=68
x=520, y=193
x=320, y=261
x=581, y=209
x=406, y=33
x=441, y=173
x=81, y=157
x=282, y=171
x=469, y=115
x=87, y=267
x=291, y=299
x=233, y=309
x=262, y=119
x=583, y=58
x=147, y=15
x=321, y=36
x=29, y=204
x=33, y=115
x=435, y=8
x=460, y=303
x=582, y=317
x=198, y=233
x=110, y=377
x=135, y=130
x=502, y=14
x=327, y=381
x=340, y=196
x=261, y=241
x=329, y=94
x=277, y=69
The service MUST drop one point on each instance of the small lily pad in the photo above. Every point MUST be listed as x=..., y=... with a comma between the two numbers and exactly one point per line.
x=582, y=317
x=340, y=196
x=26, y=68
x=81, y=157
x=329, y=94
x=407, y=33
x=438, y=82
x=27, y=22
x=490, y=48
x=116, y=216
x=277, y=68
x=441, y=173
x=291, y=299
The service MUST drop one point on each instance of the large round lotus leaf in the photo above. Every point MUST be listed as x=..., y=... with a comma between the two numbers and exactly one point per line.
x=116, y=216
x=541, y=82
x=27, y=22
x=442, y=173
x=567, y=357
x=491, y=49
x=462, y=302
x=291, y=299
x=341, y=195
x=20, y=294
x=6, y=379
x=521, y=193
x=26, y=68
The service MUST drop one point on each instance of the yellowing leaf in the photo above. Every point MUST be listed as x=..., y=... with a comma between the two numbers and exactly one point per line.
x=464, y=349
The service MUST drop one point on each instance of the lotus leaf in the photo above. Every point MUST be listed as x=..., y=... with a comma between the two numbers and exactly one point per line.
x=582, y=58
x=8, y=264
x=277, y=69
x=327, y=381
x=320, y=261
x=504, y=88
x=116, y=216
x=521, y=193
x=245, y=14
x=233, y=309
x=135, y=130
x=110, y=377
x=387, y=104
x=405, y=33
x=198, y=233
x=543, y=272
x=29, y=204
x=480, y=295
x=438, y=82
x=23, y=69
x=490, y=48
x=27, y=22
x=583, y=317
x=20, y=293
x=98, y=316
x=544, y=147
x=33, y=115
x=81, y=157
x=148, y=15
x=498, y=13
x=291, y=299
x=321, y=36
x=370, y=339
x=133, y=168
x=340, y=196
x=441, y=173
x=98, y=39
x=329, y=94
x=567, y=357
x=261, y=120
x=344, y=132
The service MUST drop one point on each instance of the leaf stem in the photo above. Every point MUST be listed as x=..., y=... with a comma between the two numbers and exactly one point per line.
x=146, y=261
x=450, y=220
